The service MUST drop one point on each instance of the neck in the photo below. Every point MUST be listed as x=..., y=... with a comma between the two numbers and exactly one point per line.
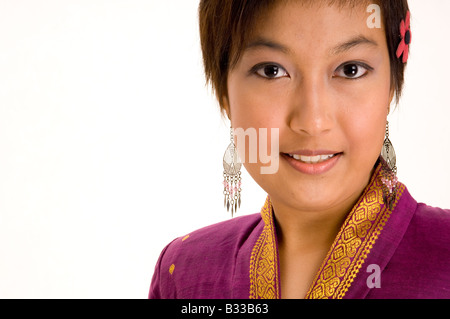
x=306, y=231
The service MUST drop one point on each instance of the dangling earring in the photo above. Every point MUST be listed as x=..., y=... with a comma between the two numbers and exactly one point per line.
x=389, y=171
x=388, y=152
x=232, y=177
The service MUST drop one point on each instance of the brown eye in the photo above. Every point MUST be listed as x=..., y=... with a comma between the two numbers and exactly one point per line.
x=352, y=71
x=271, y=71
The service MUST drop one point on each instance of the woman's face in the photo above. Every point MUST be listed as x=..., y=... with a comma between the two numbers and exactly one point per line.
x=322, y=77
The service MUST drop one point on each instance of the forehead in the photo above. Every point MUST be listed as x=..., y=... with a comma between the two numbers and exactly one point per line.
x=340, y=4
x=318, y=25
x=318, y=12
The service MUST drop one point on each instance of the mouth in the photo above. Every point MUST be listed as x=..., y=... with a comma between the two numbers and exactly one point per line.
x=313, y=162
x=312, y=159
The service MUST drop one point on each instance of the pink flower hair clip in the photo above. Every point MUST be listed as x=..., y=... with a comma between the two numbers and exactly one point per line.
x=405, y=33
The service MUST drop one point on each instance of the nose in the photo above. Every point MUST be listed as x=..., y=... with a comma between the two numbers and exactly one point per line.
x=311, y=112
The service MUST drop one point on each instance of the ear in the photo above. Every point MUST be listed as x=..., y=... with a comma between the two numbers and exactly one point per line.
x=226, y=106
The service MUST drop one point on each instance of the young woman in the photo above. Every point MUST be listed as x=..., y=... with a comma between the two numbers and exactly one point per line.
x=336, y=223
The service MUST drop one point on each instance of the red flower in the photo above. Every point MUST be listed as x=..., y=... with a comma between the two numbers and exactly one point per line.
x=405, y=32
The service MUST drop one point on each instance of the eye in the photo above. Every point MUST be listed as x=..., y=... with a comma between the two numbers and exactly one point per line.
x=353, y=70
x=270, y=71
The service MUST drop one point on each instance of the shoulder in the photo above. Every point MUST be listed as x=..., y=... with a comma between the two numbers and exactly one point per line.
x=214, y=237
x=192, y=265
x=424, y=254
x=419, y=240
x=428, y=237
x=427, y=225
x=432, y=214
x=433, y=221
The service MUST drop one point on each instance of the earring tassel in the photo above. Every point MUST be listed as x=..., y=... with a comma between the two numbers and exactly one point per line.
x=232, y=192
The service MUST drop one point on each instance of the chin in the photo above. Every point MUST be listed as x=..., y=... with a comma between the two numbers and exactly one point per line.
x=305, y=197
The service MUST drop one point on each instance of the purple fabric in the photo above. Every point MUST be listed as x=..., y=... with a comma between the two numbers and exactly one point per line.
x=412, y=253
x=212, y=263
x=418, y=261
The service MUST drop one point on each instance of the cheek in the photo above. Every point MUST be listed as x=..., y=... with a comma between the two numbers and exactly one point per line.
x=251, y=108
x=365, y=126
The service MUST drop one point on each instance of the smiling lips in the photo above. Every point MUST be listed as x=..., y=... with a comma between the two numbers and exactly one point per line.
x=313, y=162
x=312, y=159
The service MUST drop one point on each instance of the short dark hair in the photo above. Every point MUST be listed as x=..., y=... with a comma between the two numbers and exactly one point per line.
x=226, y=25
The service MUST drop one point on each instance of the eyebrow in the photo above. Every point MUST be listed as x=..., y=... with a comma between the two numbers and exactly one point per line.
x=347, y=45
x=265, y=43
x=340, y=48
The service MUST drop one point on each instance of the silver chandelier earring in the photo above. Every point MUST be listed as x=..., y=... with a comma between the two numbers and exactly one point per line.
x=232, y=177
x=388, y=152
x=389, y=172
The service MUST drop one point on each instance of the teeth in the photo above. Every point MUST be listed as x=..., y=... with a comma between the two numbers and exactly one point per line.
x=312, y=159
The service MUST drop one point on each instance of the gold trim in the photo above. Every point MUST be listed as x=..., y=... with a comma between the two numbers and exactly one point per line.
x=348, y=253
x=264, y=280
x=354, y=242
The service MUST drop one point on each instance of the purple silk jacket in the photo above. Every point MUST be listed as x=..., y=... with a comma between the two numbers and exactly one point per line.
x=397, y=253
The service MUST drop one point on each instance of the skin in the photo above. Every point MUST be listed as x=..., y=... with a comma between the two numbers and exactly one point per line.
x=316, y=105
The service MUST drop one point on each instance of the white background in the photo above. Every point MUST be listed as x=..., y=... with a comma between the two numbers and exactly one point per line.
x=111, y=145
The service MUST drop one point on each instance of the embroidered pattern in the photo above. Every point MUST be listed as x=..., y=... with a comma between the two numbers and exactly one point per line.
x=354, y=242
x=264, y=281
x=171, y=269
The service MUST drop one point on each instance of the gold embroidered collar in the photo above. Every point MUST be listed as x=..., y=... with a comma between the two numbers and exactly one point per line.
x=347, y=254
